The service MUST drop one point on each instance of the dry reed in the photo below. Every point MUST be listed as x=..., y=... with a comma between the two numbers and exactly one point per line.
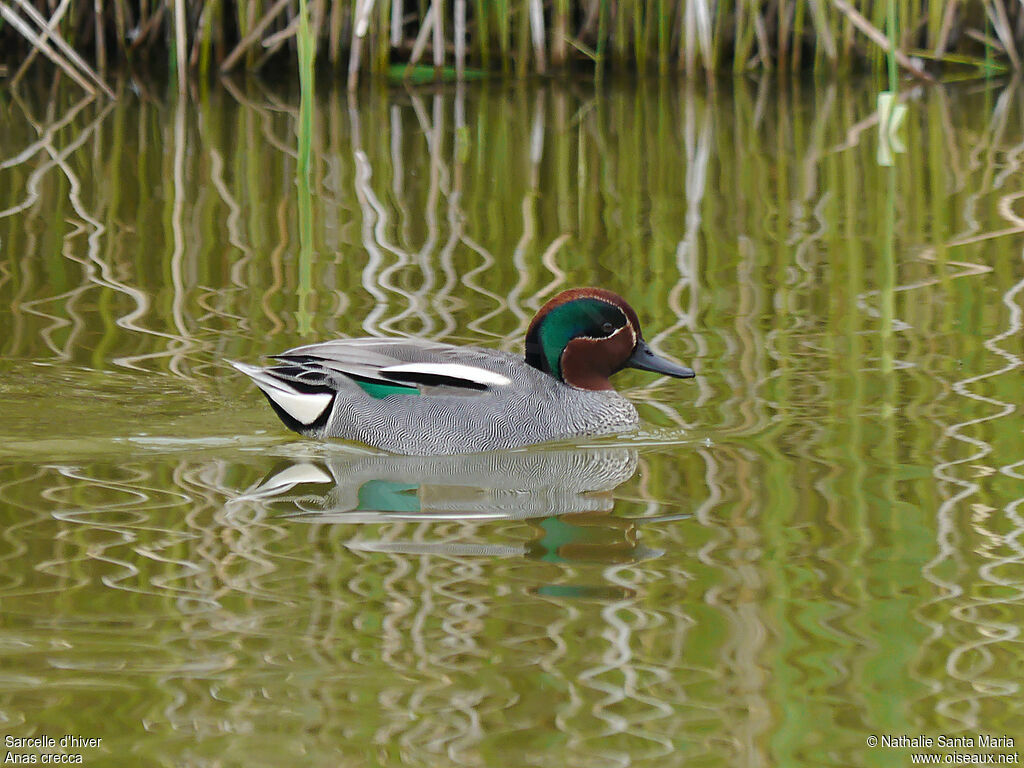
x=696, y=37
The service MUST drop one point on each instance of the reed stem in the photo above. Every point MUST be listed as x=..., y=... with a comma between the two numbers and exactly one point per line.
x=460, y=40
x=438, y=37
x=180, y=46
x=529, y=36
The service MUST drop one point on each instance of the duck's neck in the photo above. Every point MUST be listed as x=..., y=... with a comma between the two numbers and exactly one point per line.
x=589, y=363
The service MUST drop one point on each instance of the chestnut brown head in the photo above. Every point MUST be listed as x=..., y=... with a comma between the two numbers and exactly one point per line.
x=583, y=336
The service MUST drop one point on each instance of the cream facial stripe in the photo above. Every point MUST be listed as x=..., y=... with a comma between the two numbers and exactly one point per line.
x=627, y=327
x=623, y=329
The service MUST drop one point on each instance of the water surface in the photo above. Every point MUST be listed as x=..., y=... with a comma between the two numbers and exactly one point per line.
x=816, y=540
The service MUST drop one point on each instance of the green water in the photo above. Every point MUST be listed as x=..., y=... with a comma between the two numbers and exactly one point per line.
x=817, y=540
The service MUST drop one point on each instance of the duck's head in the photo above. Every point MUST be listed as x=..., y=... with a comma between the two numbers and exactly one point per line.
x=583, y=336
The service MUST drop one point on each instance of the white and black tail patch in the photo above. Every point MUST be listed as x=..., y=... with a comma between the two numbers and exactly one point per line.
x=303, y=407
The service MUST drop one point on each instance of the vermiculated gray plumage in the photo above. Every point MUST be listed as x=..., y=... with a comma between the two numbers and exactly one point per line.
x=445, y=419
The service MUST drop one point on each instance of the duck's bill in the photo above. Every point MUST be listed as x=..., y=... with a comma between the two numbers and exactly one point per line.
x=644, y=359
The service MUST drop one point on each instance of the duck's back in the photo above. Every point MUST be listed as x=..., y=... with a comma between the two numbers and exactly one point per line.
x=532, y=407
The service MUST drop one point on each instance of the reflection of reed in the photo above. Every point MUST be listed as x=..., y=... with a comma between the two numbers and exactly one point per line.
x=697, y=145
x=241, y=617
x=963, y=628
x=974, y=661
x=856, y=533
x=427, y=261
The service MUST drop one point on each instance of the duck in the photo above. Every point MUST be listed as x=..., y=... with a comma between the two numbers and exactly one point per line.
x=423, y=397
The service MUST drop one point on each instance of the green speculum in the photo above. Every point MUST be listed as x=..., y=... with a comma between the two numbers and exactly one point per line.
x=380, y=390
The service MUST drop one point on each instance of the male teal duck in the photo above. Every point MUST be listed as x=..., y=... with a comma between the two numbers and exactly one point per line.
x=422, y=397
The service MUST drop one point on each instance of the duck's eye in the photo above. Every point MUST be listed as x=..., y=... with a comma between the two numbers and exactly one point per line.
x=608, y=328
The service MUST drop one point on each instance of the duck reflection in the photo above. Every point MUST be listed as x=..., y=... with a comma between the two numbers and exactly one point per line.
x=565, y=496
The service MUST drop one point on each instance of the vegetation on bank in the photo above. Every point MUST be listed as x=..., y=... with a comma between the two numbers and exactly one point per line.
x=520, y=37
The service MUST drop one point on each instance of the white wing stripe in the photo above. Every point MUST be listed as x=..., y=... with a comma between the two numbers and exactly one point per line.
x=453, y=371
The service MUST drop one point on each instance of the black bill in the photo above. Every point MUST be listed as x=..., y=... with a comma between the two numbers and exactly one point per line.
x=644, y=359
